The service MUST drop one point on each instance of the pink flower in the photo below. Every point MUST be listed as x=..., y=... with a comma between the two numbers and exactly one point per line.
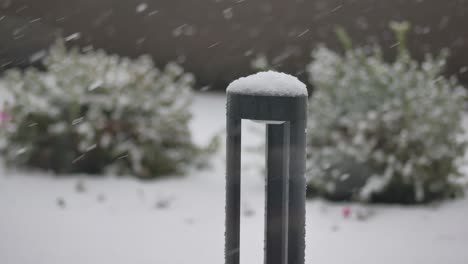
x=346, y=212
x=4, y=117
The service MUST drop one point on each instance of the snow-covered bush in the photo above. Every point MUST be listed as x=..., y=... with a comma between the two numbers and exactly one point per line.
x=97, y=113
x=383, y=132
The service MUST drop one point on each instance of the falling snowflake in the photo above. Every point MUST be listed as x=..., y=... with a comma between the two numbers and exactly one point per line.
x=141, y=7
x=228, y=13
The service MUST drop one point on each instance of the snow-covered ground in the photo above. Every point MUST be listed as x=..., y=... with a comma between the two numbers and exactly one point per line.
x=109, y=220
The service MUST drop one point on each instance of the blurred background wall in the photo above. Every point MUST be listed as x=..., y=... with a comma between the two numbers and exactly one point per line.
x=218, y=39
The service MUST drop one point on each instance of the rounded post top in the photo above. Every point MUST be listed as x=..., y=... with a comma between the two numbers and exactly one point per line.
x=268, y=83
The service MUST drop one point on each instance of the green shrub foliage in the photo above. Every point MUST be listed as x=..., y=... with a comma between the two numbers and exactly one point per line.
x=97, y=113
x=383, y=132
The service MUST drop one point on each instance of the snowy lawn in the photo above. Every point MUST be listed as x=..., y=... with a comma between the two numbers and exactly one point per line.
x=109, y=220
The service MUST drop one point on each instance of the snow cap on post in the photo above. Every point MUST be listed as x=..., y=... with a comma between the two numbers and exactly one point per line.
x=268, y=83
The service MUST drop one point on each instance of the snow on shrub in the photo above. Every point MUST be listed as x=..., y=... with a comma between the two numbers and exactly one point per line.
x=383, y=132
x=97, y=113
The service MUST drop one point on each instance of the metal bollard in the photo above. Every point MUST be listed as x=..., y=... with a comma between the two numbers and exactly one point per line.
x=285, y=118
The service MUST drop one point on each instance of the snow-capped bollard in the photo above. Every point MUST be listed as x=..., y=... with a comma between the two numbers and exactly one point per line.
x=280, y=100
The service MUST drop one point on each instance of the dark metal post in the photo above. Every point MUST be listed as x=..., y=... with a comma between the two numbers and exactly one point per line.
x=233, y=189
x=297, y=189
x=277, y=190
x=285, y=182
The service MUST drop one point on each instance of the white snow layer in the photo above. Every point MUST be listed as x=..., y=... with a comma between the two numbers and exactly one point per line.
x=268, y=83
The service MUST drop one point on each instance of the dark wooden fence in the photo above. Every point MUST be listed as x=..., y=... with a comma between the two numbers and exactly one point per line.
x=217, y=39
